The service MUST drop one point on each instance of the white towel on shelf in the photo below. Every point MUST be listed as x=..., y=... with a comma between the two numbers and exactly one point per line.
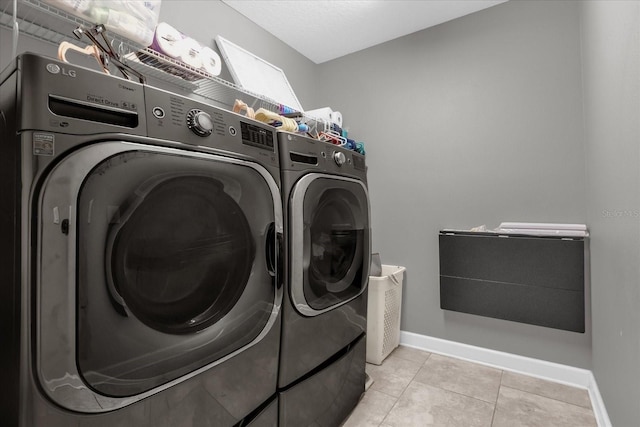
x=542, y=226
x=543, y=229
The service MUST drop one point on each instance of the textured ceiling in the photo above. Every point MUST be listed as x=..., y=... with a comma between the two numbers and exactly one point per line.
x=323, y=30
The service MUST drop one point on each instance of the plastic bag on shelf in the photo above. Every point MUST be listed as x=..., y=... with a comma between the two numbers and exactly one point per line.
x=135, y=20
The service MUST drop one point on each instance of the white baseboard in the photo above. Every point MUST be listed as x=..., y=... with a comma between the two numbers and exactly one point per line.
x=599, y=409
x=556, y=372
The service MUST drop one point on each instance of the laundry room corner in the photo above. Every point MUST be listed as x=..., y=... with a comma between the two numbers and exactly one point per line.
x=266, y=213
x=470, y=122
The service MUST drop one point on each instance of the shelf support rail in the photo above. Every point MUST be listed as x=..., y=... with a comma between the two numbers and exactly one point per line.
x=16, y=30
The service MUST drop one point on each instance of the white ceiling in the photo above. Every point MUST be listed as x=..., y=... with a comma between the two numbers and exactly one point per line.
x=323, y=30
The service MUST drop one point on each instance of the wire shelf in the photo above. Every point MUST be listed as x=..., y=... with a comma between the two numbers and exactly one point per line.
x=49, y=24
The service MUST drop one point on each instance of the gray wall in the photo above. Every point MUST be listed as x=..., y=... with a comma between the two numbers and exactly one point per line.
x=25, y=44
x=475, y=121
x=611, y=58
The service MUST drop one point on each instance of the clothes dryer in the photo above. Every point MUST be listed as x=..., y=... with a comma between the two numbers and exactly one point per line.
x=327, y=254
x=141, y=239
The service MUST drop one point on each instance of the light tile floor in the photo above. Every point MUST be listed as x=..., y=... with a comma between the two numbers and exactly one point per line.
x=417, y=388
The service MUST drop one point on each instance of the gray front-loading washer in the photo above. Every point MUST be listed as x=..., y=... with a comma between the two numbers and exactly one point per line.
x=141, y=233
x=327, y=258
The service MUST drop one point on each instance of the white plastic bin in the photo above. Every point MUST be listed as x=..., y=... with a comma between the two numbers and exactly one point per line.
x=383, y=313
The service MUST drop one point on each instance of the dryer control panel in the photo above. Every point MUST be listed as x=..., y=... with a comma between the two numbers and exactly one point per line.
x=299, y=153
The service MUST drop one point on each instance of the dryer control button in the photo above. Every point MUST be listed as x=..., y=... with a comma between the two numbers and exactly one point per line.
x=339, y=158
x=158, y=112
x=199, y=122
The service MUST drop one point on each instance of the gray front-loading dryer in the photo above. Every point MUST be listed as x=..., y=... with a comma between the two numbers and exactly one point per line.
x=327, y=256
x=139, y=258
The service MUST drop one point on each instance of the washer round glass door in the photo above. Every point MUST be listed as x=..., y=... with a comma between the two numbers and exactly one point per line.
x=179, y=254
x=172, y=253
x=330, y=242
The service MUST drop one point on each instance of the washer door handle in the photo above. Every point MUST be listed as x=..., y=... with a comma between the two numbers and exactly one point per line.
x=271, y=249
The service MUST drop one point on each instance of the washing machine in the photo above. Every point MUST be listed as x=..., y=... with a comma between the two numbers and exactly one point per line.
x=141, y=239
x=327, y=258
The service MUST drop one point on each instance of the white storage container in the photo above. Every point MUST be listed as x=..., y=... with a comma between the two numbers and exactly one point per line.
x=383, y=313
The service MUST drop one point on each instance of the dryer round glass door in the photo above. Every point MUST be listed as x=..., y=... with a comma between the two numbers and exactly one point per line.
x=165, y=266
x=330, y=242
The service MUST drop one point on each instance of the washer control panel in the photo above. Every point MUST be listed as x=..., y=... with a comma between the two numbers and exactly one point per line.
x=199, y=122
x=182, y=120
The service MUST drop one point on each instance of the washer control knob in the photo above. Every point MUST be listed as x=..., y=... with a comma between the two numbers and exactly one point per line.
x=339, y=158
x=199, y=122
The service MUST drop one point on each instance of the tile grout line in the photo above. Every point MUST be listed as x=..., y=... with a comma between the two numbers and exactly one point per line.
x=495, y=404
x=389, y=411
x=458, y=392
x=455, y=392
x=408, y=384
x=553, y=398
x=414, y=361
x=556, y=384
x=502, y=372
x=386, y=394
x=495, y=407
x=550, y=398
x=414, y=375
